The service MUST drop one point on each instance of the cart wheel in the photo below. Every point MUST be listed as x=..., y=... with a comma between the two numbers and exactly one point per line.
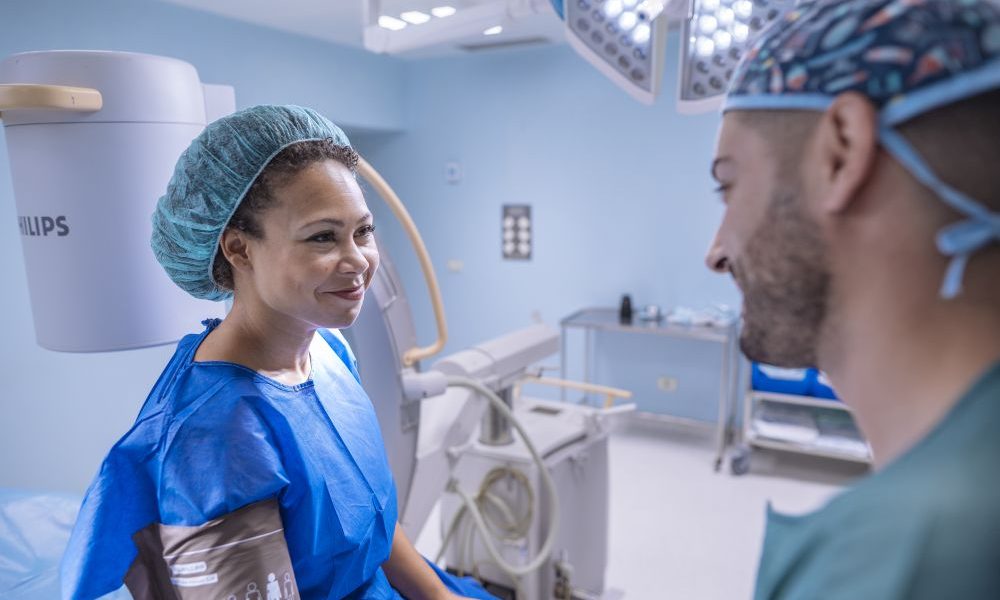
x=739, y=461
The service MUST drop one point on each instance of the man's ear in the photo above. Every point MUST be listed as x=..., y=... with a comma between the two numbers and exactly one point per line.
x=847, y=148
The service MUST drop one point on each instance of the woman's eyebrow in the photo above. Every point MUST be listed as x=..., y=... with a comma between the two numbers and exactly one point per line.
x=336, y=222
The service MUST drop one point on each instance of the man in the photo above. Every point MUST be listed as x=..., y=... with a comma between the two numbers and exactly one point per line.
x=859, y=160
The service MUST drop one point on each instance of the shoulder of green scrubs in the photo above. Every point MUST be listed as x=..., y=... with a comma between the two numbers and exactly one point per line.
x=927, y=526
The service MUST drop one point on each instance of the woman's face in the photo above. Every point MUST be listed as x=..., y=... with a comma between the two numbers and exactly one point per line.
x=317, y=256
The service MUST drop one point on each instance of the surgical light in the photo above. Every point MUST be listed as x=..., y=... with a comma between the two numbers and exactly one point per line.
x=628, y=20
x=716, y=34
x=640, y=37
x=623, y=39
x=613, y=8
x=415, y=17
x=443, y=11
x=648, y=10
x=708, y=24
x=705, y=46
x=391, y=23
x=723, y=40
x=741, y=32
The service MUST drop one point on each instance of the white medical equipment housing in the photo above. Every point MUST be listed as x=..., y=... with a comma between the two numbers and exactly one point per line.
x=93, y=138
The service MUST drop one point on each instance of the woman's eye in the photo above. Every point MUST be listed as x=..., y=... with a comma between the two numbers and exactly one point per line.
x=322, y=238
x=366, y=231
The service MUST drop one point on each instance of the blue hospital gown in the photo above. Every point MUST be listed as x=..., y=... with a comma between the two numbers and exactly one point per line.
x=213, y=437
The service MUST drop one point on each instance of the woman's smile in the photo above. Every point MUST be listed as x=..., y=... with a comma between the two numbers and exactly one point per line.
x=353, y=294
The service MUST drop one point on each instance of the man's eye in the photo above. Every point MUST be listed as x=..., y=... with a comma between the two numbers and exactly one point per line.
x=721, y=191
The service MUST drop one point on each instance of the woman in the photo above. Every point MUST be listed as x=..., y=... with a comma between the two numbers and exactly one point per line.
x=256, y=468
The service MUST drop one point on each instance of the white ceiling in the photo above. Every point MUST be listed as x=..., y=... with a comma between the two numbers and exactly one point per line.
x=337, y=21
x=342, y=21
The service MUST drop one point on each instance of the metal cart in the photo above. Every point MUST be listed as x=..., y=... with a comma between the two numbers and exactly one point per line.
x=592, y=320
x=754, y=400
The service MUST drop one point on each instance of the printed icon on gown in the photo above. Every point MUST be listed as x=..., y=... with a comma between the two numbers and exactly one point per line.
x=252, y=592
x=273, y=587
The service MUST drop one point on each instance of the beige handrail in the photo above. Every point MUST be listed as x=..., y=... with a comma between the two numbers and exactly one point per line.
x=610, y=393
x=411, y=356
x=23, y=96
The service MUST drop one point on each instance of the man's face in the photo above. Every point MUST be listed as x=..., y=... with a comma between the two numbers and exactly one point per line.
x=770, y=243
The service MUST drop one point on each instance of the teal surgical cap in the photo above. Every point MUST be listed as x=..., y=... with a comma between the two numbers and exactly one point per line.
x=210, y=180
x=908, y=57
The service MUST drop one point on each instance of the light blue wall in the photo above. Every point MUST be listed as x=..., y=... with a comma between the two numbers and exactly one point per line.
x=59, y=413
x=621, y=197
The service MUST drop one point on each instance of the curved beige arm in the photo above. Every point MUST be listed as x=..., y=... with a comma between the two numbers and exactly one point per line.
x=610, y=393
x=414, y=354
x=54, y=97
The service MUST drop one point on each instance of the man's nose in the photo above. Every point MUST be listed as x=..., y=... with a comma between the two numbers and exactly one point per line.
x=716, y=259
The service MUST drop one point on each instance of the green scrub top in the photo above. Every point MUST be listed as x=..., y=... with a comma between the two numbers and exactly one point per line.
x=927, y=526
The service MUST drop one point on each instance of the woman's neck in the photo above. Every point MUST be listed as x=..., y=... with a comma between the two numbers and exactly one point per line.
x=260, y=339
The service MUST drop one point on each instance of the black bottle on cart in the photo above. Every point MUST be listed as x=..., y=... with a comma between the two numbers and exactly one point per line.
x=625, y=312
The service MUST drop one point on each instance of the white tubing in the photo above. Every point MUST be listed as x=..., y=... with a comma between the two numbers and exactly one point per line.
x=470, y=504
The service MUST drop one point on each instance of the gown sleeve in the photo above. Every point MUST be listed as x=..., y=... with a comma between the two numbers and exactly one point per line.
x=222, y=458
x=120, y=501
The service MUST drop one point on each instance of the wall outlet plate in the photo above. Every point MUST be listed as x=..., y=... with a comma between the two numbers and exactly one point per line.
x=453, y=173
x=667, y=384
